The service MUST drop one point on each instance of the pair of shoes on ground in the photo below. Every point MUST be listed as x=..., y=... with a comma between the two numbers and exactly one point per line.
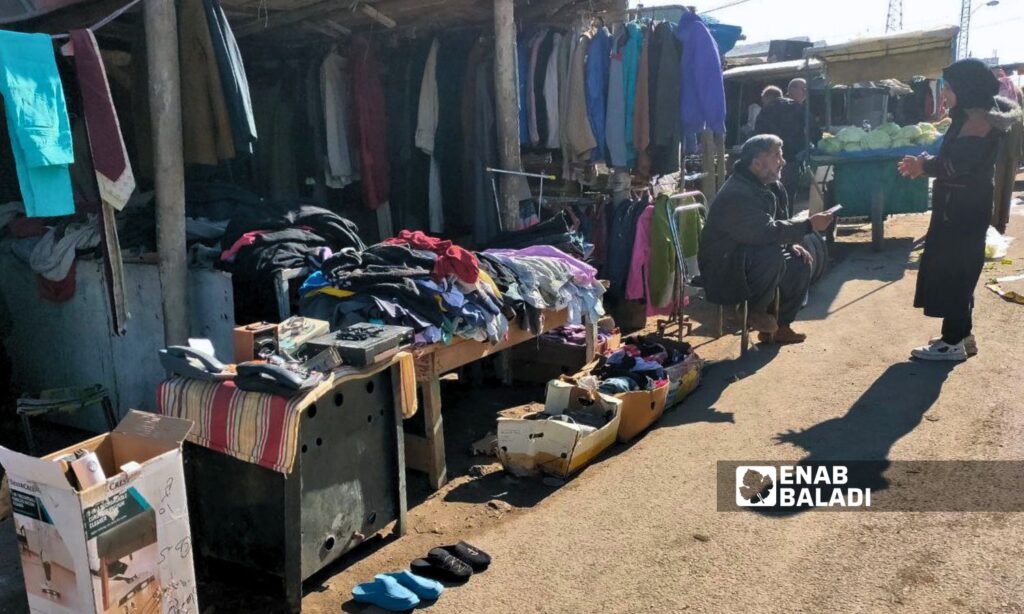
x=769, y=330
x=404, y=590
x=937, y=349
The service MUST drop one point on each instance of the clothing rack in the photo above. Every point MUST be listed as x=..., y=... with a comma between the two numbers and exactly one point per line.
x=677, y=318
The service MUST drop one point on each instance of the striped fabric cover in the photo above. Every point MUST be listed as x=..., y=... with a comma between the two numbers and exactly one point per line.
x=254, y=427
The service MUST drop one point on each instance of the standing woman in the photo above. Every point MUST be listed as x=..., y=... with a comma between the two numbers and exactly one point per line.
x=954, y=250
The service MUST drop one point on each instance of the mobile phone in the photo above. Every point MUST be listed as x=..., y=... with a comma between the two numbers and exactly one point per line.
x=833, y=210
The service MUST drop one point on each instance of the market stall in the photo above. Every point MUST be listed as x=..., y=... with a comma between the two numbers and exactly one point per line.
x=871, y=161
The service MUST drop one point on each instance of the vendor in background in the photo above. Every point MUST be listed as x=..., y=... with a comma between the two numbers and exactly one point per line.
x=749, y=248
x=785, y=118
x=768, y=95
x=954, y=250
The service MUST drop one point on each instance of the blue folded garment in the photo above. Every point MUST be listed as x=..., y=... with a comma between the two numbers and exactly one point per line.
x=385, y=592
x=425, y=588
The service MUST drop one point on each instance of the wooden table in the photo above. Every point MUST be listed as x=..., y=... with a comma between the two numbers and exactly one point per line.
x=426, y=454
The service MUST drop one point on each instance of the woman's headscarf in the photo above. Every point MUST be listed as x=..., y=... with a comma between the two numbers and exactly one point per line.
x=973, y=83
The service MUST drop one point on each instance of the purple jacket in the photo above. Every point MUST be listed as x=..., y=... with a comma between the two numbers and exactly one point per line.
x=702, y=105
x=598, y=61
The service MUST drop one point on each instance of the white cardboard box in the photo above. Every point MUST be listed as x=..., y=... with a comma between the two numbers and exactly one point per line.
x=122, y=546
x=529, y=445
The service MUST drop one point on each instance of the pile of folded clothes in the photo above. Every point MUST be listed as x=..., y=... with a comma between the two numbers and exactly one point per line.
x=443, y=291
x=637, y=366
x=574, y=334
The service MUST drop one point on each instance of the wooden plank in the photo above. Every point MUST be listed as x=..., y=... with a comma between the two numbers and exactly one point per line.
x=436, y=360
x=437, y=470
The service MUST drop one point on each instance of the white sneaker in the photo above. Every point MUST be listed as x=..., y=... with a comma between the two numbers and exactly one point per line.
x=970, y=345
x=940, y=350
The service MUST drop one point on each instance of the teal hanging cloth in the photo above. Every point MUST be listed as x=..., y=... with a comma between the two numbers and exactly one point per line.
x=37, y=120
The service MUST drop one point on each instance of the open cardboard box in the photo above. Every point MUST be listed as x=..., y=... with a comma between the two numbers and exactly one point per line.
x=533, y=444
x=120, y=546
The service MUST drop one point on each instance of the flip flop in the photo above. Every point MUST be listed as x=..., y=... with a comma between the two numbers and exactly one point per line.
x=470, y=555
x=423, y=587
x=440, y=565
x=385, y=592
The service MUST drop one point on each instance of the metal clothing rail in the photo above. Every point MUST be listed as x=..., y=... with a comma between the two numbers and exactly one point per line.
x=494, y=187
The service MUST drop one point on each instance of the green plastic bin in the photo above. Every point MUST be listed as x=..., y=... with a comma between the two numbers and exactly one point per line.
x=857, y=180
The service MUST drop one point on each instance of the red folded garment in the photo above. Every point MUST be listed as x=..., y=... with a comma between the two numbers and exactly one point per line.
x=451, y=259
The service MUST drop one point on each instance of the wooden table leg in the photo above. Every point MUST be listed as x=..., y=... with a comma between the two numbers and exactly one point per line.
x=437, y=469
x=591, y=339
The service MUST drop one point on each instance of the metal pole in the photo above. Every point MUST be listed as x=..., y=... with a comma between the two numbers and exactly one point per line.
x=161, y=25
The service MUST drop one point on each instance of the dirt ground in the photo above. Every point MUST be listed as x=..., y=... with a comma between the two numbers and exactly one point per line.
x=639, y=530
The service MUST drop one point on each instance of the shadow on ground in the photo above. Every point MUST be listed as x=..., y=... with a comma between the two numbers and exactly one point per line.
x=891, y=408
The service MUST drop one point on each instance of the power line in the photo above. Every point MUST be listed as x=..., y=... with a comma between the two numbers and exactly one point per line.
x=725, y=6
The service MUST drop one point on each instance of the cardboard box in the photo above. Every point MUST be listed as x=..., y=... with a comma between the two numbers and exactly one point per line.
x=531, y=444
x=640, y=409
x=121, y=546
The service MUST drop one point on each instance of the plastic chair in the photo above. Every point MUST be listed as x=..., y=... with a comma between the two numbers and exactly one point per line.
x=63, y=400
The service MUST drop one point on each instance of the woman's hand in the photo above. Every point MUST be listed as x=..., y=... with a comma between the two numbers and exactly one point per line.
x=911, y=166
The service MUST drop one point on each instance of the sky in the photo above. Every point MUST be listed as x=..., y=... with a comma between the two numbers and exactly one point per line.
x=998, y=29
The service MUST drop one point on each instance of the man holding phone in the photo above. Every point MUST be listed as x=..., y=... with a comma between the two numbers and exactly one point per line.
x=747, y=251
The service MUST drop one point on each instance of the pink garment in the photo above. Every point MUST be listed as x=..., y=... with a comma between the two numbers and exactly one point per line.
x=247, y=239
x=637, y=286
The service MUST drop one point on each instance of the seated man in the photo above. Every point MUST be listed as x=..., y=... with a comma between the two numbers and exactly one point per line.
x=746, y=252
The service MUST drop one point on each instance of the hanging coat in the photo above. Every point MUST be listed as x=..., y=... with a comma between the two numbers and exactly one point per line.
x=371, y=123
x=954, y=251
x=598, y=58
x=702, y=105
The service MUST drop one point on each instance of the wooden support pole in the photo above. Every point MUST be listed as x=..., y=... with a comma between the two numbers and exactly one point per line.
x=707, y=151
x=161, y=23
x=506, y=95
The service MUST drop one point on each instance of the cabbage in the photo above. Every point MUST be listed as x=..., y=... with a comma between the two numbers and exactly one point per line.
x=853, y=147
x=830, y=145
x=927, y=138
x=910, y=132
x=901, y=142
x=892, y=129
x=877, y=139
x=927, y=127
x=851, y=134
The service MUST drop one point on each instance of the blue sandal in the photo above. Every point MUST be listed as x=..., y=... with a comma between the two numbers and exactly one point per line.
x=385, y=592
x=425, y=588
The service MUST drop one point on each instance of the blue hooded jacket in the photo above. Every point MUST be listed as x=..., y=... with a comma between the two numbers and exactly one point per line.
x=702, y=105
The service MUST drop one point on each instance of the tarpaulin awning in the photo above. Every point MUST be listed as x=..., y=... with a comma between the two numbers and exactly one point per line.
x=901, y=55
x=790, y=68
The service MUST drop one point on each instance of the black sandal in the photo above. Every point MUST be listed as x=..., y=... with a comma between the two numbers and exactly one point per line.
x=441, y=565
x=470, y=555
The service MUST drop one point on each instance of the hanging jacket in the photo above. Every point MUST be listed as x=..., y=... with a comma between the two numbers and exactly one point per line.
x=579, y=133
x=598, y=59
x=631, y=52
x=371, y=123
x=702, y=104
